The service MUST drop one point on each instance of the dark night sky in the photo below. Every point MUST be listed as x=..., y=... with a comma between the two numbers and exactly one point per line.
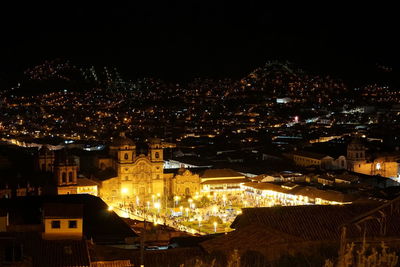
x=183, y=40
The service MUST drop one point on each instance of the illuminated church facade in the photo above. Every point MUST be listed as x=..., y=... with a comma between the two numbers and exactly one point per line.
x=382, y=165
x=141, y=177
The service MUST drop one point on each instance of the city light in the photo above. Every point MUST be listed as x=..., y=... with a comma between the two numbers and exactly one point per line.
x=157, y=206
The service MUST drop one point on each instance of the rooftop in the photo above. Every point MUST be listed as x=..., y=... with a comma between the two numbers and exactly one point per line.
x=220, y=173
x=99, y=223
x=62, y=210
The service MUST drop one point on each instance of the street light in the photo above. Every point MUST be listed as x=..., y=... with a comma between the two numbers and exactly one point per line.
x=214, y=209
x=215, y=227
x=124, y=190
x=157, y=205
x=176, y=200
x=187, y=212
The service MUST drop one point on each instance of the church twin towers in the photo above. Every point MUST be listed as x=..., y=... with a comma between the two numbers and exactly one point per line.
x=137, y=176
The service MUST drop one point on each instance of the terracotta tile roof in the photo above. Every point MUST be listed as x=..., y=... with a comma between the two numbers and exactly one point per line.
x=307, y=191
x=86, y=182
x=311, y=222
x=225, y=181
x=249, y=236
x=61, y=253
x=220, y=173
x=98, y=223
x=62, y=210
x=311, y=155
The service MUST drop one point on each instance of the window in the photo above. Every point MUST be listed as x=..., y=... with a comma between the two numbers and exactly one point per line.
x=72, y=224
x=55, y=224
x=43, y=166
x=64, y=177
x=126, y=156
x=157, y=155
x=70, y=177
x=378, y=166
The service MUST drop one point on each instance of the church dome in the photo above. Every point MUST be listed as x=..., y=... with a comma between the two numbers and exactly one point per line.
x=122, y=140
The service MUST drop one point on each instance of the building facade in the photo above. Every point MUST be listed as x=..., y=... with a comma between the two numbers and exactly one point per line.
x=137, y=176
x=381, y=165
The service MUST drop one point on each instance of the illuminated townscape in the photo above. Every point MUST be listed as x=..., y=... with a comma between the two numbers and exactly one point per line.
x=179, y=136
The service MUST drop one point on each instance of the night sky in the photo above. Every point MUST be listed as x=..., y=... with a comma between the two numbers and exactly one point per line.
x=184, y=40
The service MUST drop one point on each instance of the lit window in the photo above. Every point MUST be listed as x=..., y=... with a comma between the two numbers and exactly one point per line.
x=126, y=156
x=55, y=224
x=378, y=166
x=157, y=155
x=72, y=224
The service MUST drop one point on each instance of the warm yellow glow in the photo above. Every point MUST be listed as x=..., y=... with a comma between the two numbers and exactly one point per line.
x=157, y=205
x=110, y=208
x=124, y=190
x=215, y=209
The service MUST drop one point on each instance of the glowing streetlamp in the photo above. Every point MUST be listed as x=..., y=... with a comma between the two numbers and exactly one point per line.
x=176, y=200
x=124, y=190
x=187, y=212
x=224, y=199
x=214, y=209
x=110, y=208
x=148, y=205
x=137, y=201
x=157, y=205
x=215, y=227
